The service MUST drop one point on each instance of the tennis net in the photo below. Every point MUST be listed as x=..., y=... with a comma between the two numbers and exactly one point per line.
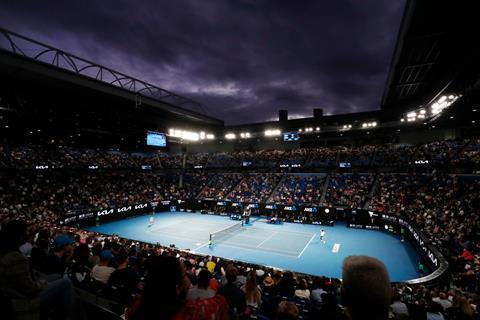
x=222, y=234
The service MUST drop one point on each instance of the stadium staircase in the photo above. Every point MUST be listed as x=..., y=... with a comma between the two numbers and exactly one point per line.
x=227, y=194
x=201, y=191
x=279, y=184
x=373, y=189
x=374, y=157
x=325, y=187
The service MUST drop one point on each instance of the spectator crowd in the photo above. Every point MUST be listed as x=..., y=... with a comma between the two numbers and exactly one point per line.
x=41, y=263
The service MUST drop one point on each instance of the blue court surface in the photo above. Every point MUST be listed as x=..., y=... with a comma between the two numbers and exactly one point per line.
x=296, y=247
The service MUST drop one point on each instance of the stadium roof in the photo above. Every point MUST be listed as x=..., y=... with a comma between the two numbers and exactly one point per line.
x=435, y=53
x=21, y=56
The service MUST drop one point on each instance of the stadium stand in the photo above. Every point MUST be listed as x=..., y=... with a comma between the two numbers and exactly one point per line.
x=438, y=202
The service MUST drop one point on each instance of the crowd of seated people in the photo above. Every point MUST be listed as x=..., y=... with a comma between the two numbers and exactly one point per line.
x=321, y=157
x=356, y=156
x=348, y=190
x=440, y=153
x=197, y=160
x=299, y=190
x=61, y=194
x=444, y=206
x=254, y=188
x=461, y=153
x=469, y=156
x=220, y=184
x=395, y=191
x=145, y=280
x=390, y=155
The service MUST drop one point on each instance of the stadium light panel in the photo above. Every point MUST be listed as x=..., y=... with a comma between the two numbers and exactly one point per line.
x=230, y=136
x=210, y=136
x=318, y=129
x=272, y=132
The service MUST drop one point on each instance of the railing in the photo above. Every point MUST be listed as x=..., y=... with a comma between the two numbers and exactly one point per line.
x=29, y=48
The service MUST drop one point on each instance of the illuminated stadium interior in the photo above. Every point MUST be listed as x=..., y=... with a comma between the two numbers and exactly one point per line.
x=108, y=180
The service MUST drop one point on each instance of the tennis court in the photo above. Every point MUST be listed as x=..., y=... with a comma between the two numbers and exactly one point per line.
x=291, y=246
x=234, y=235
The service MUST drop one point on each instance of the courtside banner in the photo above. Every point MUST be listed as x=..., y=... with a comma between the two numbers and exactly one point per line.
x=365, y=219
x=107, y=214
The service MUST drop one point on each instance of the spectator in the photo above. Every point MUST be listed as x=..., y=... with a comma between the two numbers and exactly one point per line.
x=124, y=279
x=399, y=308
x=442, y=300
x=434, y=311
x=302, y=290
x=102, y=271
x=164, y=296
x=269, y=285
x=232, y=293
x=366, y=290
x=287, y=310
x=55, y=297
x=461, y=309
x=94, y=259
x=202, y=290
x=286, y=285
x=317, y=292
x=253, y=294
x=56, y=261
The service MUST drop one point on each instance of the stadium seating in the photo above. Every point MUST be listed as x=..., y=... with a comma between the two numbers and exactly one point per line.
x=442, y=197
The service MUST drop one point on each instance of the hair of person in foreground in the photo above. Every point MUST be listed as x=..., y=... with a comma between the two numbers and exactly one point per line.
x=366, y=289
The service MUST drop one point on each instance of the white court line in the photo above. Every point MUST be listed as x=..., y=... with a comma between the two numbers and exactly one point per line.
x=268, y=238
x=313, y=236
x=203, y=245
x=235, y=246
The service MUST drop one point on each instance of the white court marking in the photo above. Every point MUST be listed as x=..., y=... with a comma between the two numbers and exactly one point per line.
x=268, y=238
x=313, y=236
x=336, y=248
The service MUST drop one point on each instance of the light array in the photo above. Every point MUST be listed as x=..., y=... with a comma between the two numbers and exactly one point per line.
x=347, y=126
x=190, y=135
x=272, y=132
x=309, y=129
x=442, y=103
x=230, y=136
x=245, y=135
x=369, y=124
x=436, y=108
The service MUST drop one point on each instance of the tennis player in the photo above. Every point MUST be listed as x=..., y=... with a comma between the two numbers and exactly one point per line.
x=151, y=222
x=322, y=236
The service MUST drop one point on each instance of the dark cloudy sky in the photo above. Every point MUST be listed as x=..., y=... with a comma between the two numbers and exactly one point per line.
x=242, y=59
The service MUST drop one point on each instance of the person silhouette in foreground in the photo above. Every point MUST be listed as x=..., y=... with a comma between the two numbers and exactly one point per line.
x=366, y=289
